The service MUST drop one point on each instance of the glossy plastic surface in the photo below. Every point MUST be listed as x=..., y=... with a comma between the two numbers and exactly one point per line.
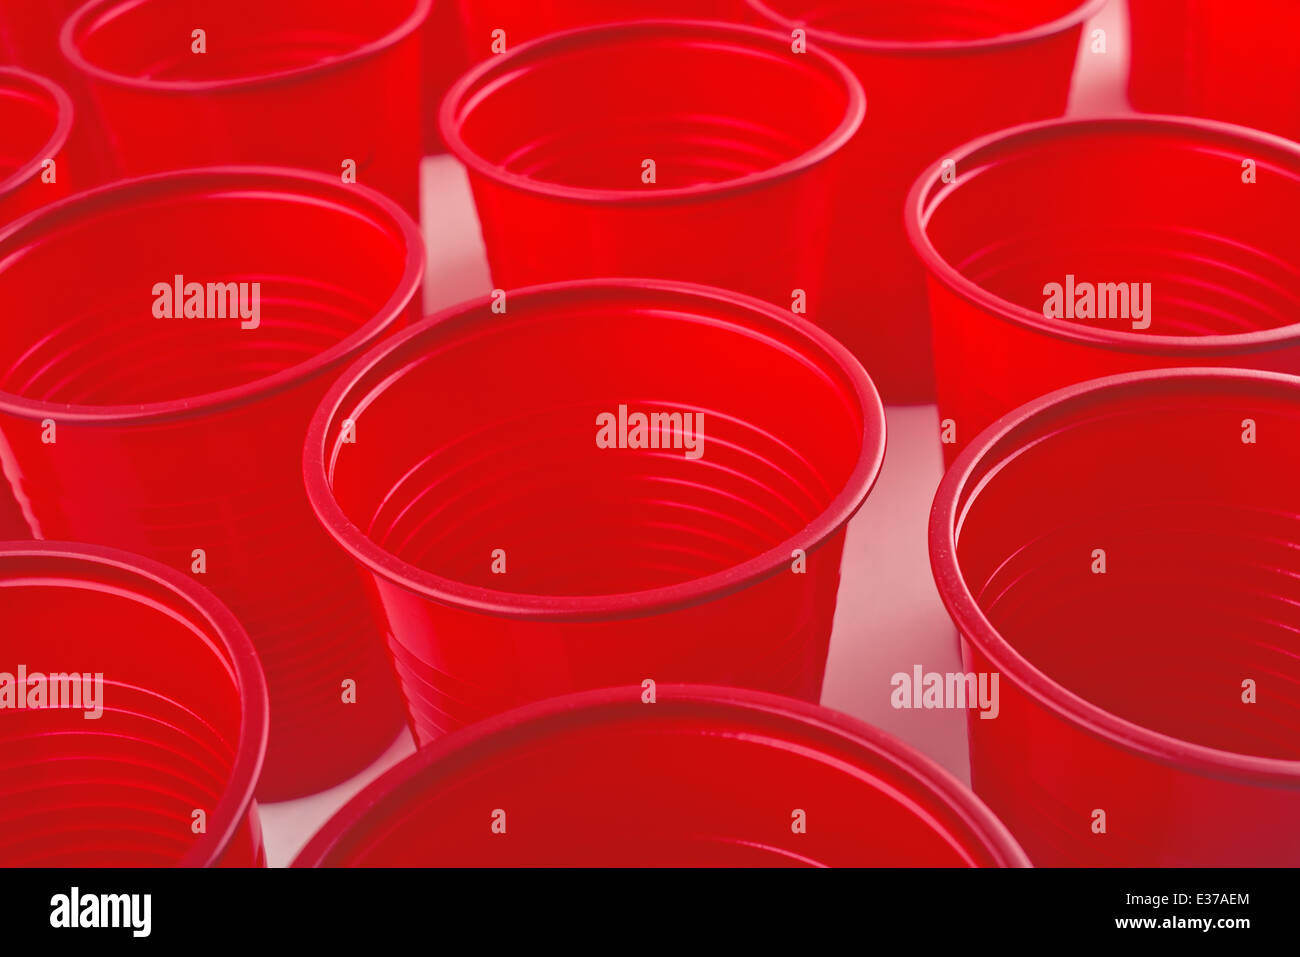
x=142, y=703
x=291, y=83
x=936, y=72
x=516, y=559
x=712, y=777
x=169, y=435
x=1223, y=59
x=1124, y=554
x=1223, y=275
x=743, y=135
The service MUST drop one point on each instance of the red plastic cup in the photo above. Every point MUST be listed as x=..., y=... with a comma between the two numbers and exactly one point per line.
x=523, y=545
x=1105, y=201
x=743, y=135
x=523, y=20
x=36, y=117
x=180, y=438
x=133, y=715
x=294, y=83
x=1123, y=553
x=701, y=777
x=444, y=60
x=1225, y=61
x=937, y=73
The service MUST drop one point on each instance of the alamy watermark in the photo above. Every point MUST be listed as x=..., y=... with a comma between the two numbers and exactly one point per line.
x=651, y=430
x=179, y=299
x=933, y=689
x=35, y=690
x=74, y=909
x=1106, y=300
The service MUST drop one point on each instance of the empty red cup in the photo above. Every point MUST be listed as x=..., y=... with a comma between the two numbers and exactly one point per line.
x=133, y=715
x=324, y=86
x=1038, y=220
x=487, y=469
x=937, y=73
x=494, y=26
x=562, y=135
x=1123, y=553
x=36, y=117
x=1230, y=61
x=697, y=777
x=181, y=438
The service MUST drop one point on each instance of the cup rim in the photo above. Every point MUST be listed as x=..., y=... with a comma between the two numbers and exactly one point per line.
x=541, y=719
x=58, y=138
x=552, y=45
x=1083, y=10
x=237, y=798
x=610, y=607
x=927, y=194
x=76, y=26
x=999, y=441
x=378, y=209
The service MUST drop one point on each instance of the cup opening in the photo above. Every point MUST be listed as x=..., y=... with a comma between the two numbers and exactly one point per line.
x=537, y=451
x=170, y=288
x=710, y=104
x=1150, y=588
x=1088, y=244
x=734, y=765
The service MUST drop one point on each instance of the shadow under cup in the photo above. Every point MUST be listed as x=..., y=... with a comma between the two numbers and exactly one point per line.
x=1079, y=248
x=703, y=777
x=487, y=470
x=1125, y=554
x=134, y=712
x=165, y=344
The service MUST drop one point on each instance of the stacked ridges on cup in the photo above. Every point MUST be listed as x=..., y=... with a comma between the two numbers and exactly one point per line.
x=155, y=764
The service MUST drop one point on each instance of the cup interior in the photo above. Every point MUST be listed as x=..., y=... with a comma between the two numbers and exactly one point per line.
x=485, y=432
x=89, y=287
x=1137, y=551
x=708, y=104
x=152, y=40
x=121, y=789
x=1119, y=206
